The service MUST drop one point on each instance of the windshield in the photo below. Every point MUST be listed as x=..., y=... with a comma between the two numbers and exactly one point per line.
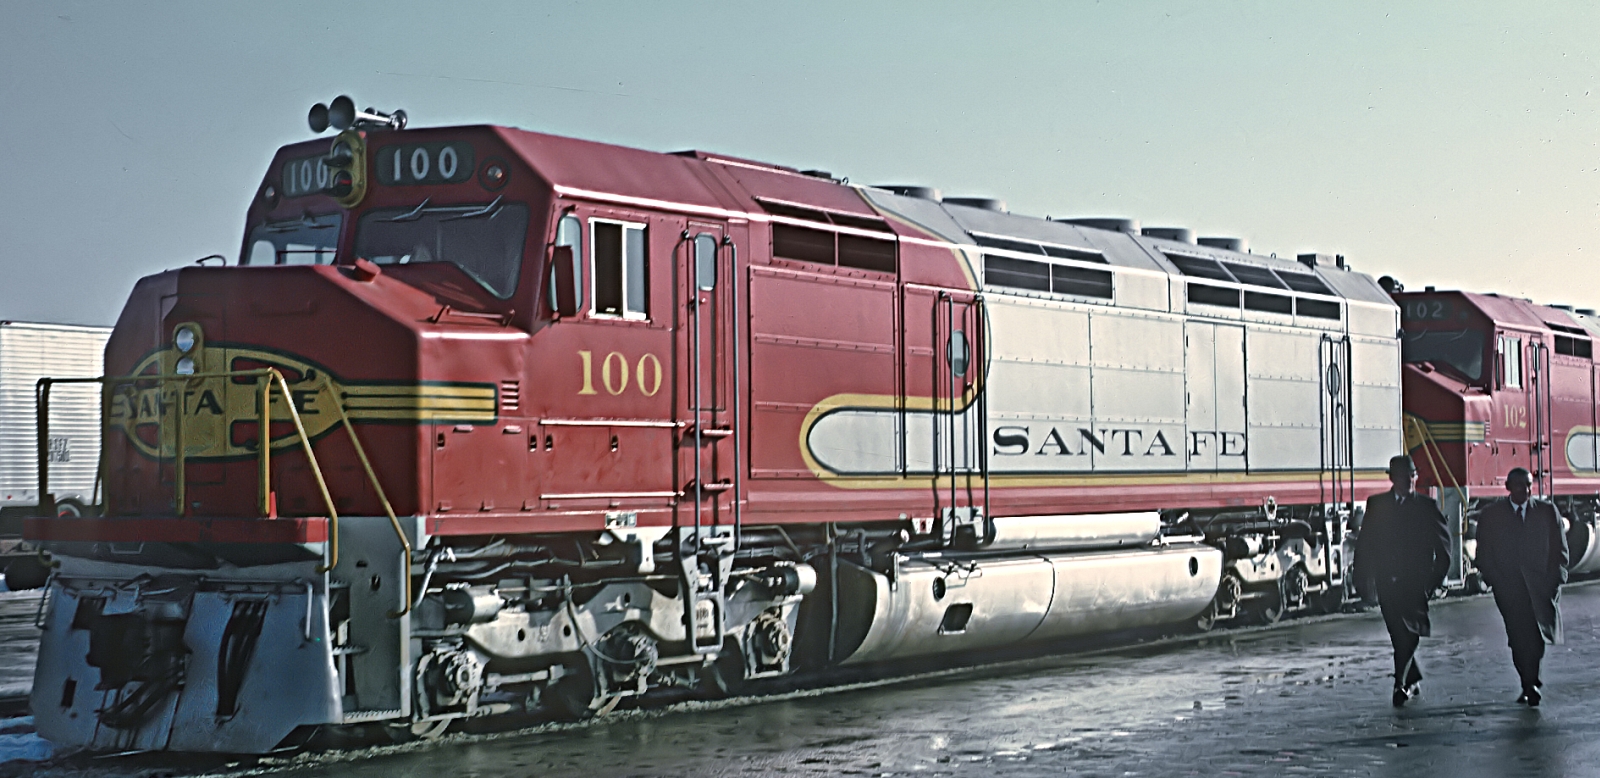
x=484, y=240
x=309, y=240
x=1460, y=349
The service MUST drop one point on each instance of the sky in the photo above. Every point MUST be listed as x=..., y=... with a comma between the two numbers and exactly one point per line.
x=1451, y=144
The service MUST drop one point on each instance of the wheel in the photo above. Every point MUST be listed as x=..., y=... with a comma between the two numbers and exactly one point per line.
x=411, y=732
x=430, y=730
x=1296, y=588
x=1207, y=618
x=577, y=696
x=1330, y=600
x=26, y=572
x=1269, y=608
x=724, y=677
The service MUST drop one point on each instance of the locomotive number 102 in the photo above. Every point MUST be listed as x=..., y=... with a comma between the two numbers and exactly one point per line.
x=1425, y=310
x=1516, y=416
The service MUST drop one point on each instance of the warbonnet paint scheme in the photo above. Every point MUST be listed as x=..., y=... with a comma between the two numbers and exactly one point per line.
x=489, y=420
x=1493, y=383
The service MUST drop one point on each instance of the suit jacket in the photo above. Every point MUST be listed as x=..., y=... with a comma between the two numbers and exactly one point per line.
x=1404, y=546
x=1525, y=557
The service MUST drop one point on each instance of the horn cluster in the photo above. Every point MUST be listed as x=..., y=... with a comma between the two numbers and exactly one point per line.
x=341, y=115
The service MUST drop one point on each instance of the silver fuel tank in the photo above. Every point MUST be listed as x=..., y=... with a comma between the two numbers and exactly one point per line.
x=1582, y=548
x=938, y=604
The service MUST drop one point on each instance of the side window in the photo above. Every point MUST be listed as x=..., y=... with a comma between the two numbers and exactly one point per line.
x=569, y=232
x=1510, y=362
x=621, y=271
x=705, y=262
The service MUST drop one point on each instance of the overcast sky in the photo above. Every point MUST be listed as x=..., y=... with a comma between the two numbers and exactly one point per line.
x=1450, y=144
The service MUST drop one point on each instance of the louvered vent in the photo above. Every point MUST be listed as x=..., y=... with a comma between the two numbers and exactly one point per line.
x=510, y=397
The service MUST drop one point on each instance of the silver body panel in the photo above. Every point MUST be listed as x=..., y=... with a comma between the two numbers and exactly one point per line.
x=1143, y=381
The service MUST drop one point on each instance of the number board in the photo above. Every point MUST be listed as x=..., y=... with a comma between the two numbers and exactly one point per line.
x=306, y=176
x=1427, y=310
x=424, y=163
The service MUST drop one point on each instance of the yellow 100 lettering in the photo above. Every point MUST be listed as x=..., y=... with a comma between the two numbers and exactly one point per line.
x=614, y=373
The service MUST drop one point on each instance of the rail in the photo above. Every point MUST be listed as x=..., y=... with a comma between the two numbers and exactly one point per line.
x=266, y=380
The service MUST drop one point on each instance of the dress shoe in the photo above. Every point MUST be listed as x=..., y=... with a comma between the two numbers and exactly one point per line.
x=1530, y=697
x=1403, y=694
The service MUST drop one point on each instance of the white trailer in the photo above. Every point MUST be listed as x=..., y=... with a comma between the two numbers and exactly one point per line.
x=28, y=352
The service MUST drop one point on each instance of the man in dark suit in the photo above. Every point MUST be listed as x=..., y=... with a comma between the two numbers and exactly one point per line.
x=1522, y=554
x=1403, y=549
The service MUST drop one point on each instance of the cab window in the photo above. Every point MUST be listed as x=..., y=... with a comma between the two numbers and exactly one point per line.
x=1462, y=350
x=484, y=240
x=1510, y=362
x=309, y=240
x=619, y=268
x=569, y=232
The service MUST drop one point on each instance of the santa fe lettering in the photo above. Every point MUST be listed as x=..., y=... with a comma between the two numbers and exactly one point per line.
x=1015, y=440
x=1227, y=444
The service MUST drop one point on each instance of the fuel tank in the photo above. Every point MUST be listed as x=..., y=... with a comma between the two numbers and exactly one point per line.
x=944, y=605
x=1583, y=548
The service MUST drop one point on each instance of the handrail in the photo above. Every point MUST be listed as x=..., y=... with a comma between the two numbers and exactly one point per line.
x=265, y=435
x=372, y=477
x=265, y=378
x=1426, y=436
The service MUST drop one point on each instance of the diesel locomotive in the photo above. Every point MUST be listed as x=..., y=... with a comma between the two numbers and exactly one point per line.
x=1492, y=383
x=485, y=420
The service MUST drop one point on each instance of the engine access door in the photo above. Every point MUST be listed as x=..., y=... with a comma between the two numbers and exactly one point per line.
x=1215, y=414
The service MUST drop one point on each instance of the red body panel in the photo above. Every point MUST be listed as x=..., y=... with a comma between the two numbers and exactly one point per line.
x=570, y=419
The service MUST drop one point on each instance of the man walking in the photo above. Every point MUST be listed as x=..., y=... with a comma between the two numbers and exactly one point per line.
x=1403, y=549
x=1522, y=554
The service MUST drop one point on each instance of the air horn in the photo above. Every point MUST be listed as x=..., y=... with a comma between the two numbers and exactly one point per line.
x=341, y=115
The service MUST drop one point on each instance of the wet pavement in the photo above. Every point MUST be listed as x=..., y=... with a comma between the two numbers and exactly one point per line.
x=1307, y=698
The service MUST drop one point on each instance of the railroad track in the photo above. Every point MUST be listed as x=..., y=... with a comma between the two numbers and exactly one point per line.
x=797, y=687
x=498, y=729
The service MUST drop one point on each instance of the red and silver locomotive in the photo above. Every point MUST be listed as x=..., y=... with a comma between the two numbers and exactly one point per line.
x=486, y=418
x=1492, y=383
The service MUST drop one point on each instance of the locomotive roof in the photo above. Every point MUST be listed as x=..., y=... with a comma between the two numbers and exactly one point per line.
x=717, y=185
x=1520, y=312
x=697, y=181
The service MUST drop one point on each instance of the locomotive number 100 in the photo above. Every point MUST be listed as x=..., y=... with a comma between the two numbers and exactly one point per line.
x=424, y=163
x=614, y=378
